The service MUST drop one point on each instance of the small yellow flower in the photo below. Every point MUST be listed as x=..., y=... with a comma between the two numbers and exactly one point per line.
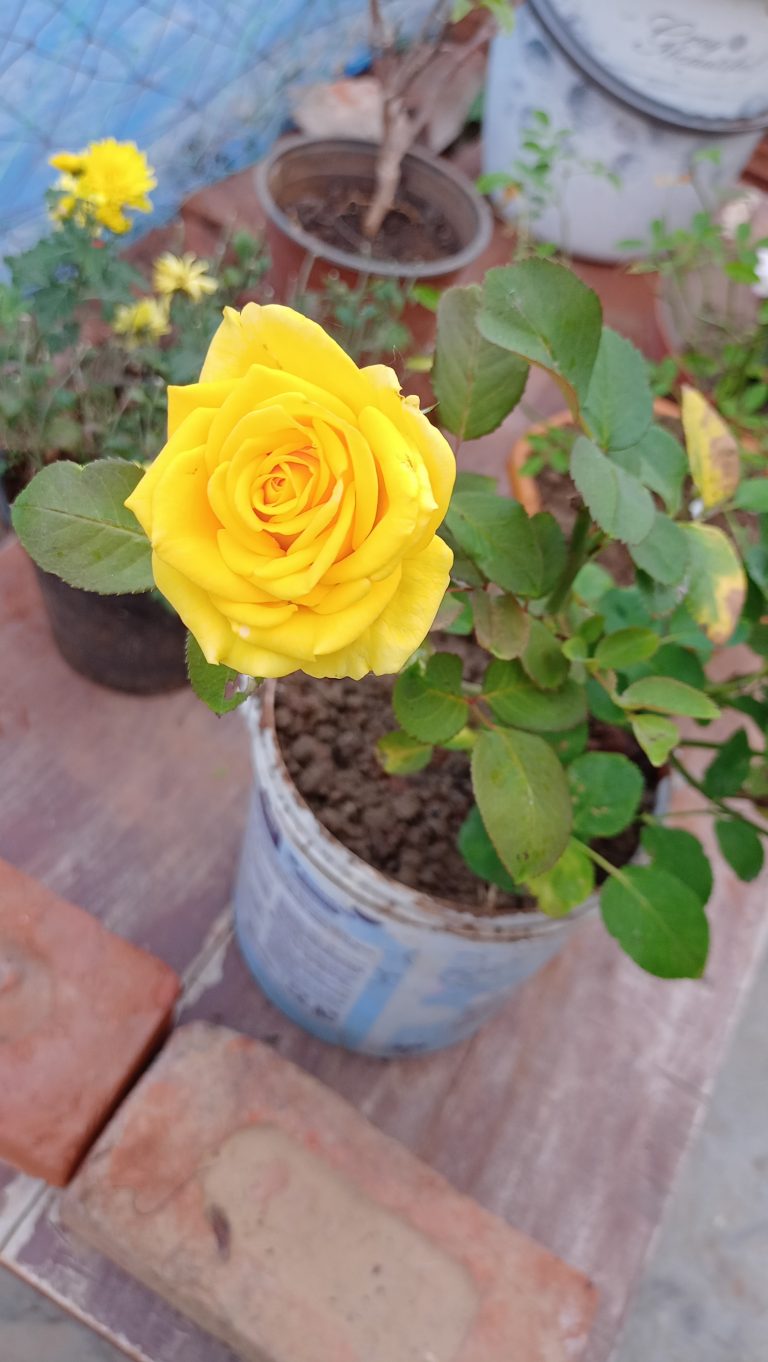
x=144, y=320
x=182, y=274
x=97, y=185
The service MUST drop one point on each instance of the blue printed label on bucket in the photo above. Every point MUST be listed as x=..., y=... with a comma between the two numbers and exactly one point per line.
x=354, y=976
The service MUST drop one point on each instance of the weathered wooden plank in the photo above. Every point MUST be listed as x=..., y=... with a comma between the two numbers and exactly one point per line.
x=131, y=807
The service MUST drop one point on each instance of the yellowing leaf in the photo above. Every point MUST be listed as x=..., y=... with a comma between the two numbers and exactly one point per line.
x=718, y=583
x=713, y=453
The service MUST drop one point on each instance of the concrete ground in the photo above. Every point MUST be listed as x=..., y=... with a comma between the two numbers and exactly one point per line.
x=704, y=1296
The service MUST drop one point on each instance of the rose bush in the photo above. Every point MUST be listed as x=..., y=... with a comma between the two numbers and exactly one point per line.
x=292, y=513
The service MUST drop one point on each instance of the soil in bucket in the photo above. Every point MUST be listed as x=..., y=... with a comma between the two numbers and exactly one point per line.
x=404, y=826
x=412, y=232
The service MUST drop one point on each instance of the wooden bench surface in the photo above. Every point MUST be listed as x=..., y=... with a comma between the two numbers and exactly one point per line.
x=568, y=1115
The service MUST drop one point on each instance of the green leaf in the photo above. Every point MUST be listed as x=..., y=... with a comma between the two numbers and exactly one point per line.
x=481, y=855
x=606, y=789
x=755, y=709
x=659, y=461
x=476, y=383
x=657, y=920
x=756, y=784
x=455, y=614
x=682, y=854
x=684, y=665
x=682, y=629
x=550, y=548
x=717, y=586
x=522, y=794
x=567, y=885
x=543, y=659
x=515, y=699
x=626, y=647
x=668, y=696
x=602, y=706
x=741, y=846
x=663, y=554
x=752, y=495
x=591, y=583
x=519, y=553
x=467, y=481
x=215, y=685
x=401, y=755
x=657, y=735
x=616, y=500
x=619, y=407
x=501, y=625
x=72, y=522
x=576, y=649
x=543, y=313
x=570, y=743
x=727, y=773
x=428, y=699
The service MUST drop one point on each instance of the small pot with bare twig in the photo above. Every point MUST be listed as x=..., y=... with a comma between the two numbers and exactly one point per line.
x=380, y=209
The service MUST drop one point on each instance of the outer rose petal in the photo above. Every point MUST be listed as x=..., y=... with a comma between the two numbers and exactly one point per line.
x=403, y=624
x=182, y=401
x=280, y=338
x=414, y=425
x=192, y=434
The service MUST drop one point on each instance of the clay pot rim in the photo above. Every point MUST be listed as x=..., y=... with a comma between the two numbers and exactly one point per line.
x=391, y=269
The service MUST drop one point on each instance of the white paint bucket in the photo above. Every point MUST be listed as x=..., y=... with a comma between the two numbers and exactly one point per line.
x=356, y=957
x=697, y=62
x=658, y=163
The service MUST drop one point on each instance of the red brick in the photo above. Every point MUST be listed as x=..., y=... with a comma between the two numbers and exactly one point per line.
x=262, y=1205
x=80, y=1012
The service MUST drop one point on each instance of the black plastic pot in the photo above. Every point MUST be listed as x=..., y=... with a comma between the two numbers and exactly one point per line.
x=129, y=643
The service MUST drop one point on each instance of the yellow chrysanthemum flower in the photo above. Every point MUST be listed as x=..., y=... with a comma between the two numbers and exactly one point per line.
x=97, y=185
x=144, y=320
x=182, y=274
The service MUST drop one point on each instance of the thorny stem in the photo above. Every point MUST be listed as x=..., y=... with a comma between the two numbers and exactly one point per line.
x=738, y=683
x=577, y=555
x=696, y=742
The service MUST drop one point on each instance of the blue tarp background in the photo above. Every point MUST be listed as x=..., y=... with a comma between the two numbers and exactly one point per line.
x=203, y=85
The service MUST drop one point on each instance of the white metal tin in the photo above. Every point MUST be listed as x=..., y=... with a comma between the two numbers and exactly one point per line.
x=697, y=62
x=657, y=165
x=353, y=956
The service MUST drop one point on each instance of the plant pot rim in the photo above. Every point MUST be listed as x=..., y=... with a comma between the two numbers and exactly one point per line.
x=400, y=900
x=349, y=260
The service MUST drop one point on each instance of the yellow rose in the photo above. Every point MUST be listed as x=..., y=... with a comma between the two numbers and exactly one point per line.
x=292, y=513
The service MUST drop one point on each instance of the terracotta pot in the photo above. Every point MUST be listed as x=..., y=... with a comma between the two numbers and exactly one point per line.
x=523, y=488
x=128, y=643
x=309, y=165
